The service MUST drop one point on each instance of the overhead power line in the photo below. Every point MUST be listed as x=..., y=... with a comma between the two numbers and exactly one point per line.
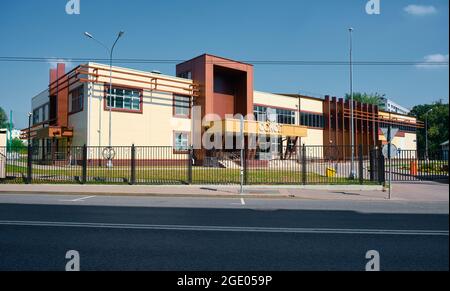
x=254, y=62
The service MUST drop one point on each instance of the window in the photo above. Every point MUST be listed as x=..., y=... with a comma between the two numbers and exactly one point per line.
x=76, y=99
x=181, y=106
x=126, y=99
x=260, y=113
x=312, y=120
x=185, y=75
x=282, y=116
x=36, y=116
x=285, y=116
x=181, y=141
x=46, y=112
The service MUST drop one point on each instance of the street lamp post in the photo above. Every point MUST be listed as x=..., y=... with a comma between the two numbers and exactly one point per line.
x=110, y=52
x=352, y=122
x=426, y=134
x=29, y=151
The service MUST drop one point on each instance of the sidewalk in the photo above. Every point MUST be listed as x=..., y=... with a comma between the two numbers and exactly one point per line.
x=427, y=192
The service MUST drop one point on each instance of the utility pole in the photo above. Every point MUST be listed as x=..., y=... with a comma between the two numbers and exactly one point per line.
x=10, y=129
x=352, y=122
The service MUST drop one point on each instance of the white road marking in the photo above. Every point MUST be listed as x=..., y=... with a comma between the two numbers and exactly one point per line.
x=242, y=201
x=78, y=200
x=229, y=228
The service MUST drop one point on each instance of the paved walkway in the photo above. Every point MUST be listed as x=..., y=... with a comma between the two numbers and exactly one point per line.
x=424, y=191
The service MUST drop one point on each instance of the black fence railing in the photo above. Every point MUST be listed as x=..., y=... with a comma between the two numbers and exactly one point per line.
x=418, y=165
x=302, y=165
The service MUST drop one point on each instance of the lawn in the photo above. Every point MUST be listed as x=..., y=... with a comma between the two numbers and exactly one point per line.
x=173, y=175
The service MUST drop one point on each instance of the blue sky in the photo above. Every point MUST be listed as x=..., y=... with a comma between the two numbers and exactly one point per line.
x=237, y=29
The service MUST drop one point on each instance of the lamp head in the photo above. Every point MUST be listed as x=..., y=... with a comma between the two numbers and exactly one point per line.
x=88, y=34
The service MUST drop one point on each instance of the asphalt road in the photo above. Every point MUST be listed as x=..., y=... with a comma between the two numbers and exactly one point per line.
x=215, y=235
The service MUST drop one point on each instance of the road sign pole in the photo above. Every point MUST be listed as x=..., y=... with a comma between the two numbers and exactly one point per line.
x=242, y=154
x=390, y=161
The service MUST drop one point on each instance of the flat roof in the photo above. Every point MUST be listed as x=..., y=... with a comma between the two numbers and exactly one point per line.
x=214, y=56
x=138, y=71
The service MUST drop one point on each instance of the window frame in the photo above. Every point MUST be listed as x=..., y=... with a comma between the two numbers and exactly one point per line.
x=77, y=89
x=125, y=110
x=188, y=137
x=174, y=106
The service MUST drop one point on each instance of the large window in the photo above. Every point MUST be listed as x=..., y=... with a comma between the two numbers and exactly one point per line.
x=76, y=99
x=312, y=120
x=36, y=116
x=126, y=99
x=181, y=141
x=282, y=116
x=285, y=116
x=260, y=113
x=181, y=106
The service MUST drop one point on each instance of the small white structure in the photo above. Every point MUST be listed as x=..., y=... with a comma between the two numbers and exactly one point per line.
x=3, y=133
x=390, y=106
x=444, y=148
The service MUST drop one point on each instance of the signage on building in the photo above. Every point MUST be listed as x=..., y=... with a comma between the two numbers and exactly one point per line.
x=270, y=127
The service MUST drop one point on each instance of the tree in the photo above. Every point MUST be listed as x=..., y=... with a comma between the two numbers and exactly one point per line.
x=17, y=145
x=373, y=98
x=437, y=125
x=3, y=119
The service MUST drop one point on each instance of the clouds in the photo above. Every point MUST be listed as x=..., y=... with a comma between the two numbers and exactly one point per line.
x=53, y=62
x=434, y=62
x=420, y=10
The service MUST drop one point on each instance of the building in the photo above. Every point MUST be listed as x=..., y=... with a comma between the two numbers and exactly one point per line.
x=151, y=109
x=390, y=106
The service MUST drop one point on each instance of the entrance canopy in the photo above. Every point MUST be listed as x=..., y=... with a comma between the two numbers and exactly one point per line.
x=233, y=126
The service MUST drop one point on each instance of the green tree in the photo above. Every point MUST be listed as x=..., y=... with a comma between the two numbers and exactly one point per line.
x=3, y=119
x=372, y=98
x=437, y=125
x=17, y=145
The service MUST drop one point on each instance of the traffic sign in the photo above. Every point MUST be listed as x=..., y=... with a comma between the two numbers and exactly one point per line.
x=394, y=151
x=391, y=136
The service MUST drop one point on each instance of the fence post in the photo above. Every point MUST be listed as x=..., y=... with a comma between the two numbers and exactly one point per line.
x=245, y=167
x=29, y=179
x=190, y=164
x=373, y=164
x=304, y=164
x=381, y=169
x=84, y=166
x=360, y=164
x=133, y=165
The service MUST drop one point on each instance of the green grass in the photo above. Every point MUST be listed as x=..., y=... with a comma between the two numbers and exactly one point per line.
x=174, y=175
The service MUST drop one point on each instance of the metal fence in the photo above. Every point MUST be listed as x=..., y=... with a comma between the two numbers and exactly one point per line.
x=419, y=166
x=302, y=165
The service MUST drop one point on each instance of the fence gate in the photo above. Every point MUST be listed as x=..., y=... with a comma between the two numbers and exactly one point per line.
x=411, y=165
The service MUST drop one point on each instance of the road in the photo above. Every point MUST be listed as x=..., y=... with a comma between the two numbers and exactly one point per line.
x=182, y=234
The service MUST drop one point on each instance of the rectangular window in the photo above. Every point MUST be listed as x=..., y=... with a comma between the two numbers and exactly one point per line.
x=181, y=141
x=76, y=99
x=260, y=113
x=181, y=106
x=185, y=75
x=126, y=99
x=312, y=120
x=36, y=116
